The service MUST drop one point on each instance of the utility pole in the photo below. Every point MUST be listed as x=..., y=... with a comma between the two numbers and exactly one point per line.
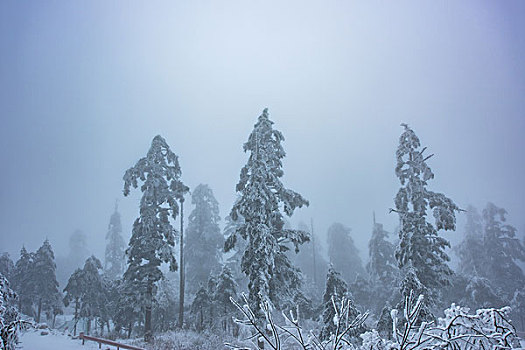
x=313, y=250
x=181, y=259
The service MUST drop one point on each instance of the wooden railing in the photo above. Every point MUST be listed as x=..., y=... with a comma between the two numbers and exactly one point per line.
x=101, y=341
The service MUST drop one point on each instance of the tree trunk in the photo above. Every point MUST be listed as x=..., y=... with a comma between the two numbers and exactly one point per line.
x=76, y=319
x=181, y=282
x=129, y=329
x=39, y=310
x=88, y=325
x=313, y=251
x=54, y=319
x=147, y=320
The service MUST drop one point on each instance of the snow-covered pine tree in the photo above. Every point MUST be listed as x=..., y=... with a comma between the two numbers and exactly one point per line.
x=382, y=270
x=153, y=236
x=45, y=281
x=336, y=289
x=470, y=250
x=382, y=266
x=502, y=249
x=201, y=308
x=93, y=299
x=411, y=288
x=343, y=254
x=420, y=246
x=127, y=310
x=203, y=239
x=115, y=262
x=226, y=289
x=7, y=266
x=165, y=306
x=73, y=294
x=365, y=295
x=23, y=281
x=262, y=197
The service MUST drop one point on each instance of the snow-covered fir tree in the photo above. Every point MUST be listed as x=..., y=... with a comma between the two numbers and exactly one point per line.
x=200, y=308
x=87, y=291
x=203, y=239
x=502, y=251
x=420, y=246
x=226, y=289
x=262, y=197
x=411, y=288
x=153, y=236
x=23, y=282
x=336, y=288
x=128, y=308
x=469, y=251
x=365, y=295
x=7, y=266
x=93, y=299
x=73, y=293
x=382, y=271
x=115, y=262
x=165, y=306
x=382, y=266
x=45, y=282
x=343, y=253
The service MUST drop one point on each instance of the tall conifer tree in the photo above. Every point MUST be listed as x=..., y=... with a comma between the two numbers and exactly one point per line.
x=153, y=237
x=115, y=262
x=203, y=238
x=262, y=197
x=343, y=253
x=45, y=281
x=502, y=250
x=23, y=281
x=421, y=251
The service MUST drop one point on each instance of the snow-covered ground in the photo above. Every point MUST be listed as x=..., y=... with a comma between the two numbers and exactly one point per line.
x=32, y=340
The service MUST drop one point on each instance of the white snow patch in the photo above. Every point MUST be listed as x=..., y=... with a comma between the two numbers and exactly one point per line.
x=32, y=340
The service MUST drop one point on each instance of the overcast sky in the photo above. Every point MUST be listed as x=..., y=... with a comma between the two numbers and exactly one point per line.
x=85, y=86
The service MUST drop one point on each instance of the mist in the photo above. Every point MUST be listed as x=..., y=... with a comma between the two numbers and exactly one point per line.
x=86, y=86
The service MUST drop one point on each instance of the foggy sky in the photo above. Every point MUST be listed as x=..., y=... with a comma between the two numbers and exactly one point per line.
x=85, y=86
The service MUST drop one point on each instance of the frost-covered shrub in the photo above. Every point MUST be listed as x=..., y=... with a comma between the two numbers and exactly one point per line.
x=291, y=335
x=487, y=329
x=457, y=330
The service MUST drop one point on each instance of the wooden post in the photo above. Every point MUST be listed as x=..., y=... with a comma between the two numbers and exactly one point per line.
x=181, y=258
